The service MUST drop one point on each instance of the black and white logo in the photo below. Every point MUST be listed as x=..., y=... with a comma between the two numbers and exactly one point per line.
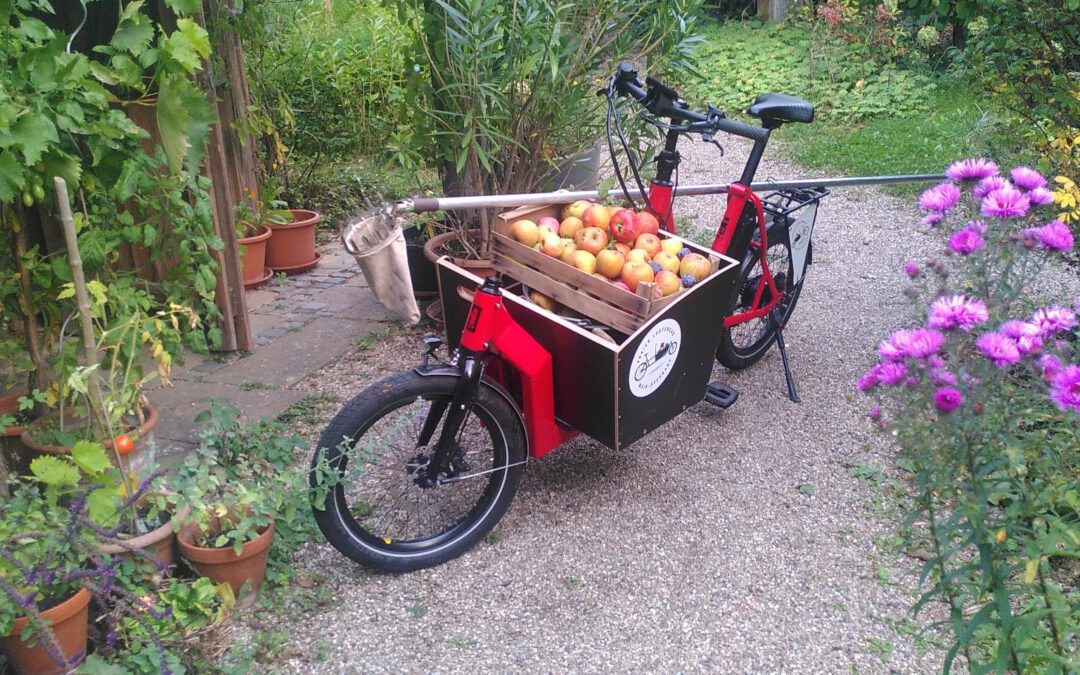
x=655, y=357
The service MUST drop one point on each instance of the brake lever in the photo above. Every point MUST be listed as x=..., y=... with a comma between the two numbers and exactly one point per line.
x=712, y=116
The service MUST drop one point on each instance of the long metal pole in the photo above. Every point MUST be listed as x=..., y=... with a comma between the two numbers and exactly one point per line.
x=425, y=204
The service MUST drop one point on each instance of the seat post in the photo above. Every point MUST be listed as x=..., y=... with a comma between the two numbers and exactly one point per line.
x=755, y=158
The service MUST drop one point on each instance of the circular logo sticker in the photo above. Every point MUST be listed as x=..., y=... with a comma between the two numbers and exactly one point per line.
x=654, y=358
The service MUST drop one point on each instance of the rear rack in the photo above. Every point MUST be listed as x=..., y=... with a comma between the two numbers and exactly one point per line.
x=782, y=203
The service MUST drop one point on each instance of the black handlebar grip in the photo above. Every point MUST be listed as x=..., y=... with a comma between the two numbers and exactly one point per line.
x=742, y=129
x=425, y=204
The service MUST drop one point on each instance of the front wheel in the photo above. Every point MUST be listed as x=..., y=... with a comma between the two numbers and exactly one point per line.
x=742, y=345
x=376, y=510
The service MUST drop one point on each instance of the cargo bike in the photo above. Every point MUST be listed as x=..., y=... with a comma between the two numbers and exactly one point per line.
x=426, y=461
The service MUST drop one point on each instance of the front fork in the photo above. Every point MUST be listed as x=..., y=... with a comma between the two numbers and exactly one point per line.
x=441, y=464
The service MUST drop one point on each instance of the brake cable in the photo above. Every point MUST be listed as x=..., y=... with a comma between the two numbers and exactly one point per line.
x=612, y=113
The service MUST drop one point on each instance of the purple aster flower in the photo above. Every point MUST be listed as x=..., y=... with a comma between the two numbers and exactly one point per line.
x=868, y=381
x=1054, y=319
x=939, y=198
x=1026, y=336
x=1006, y=202
x=911, y=269
x=957, y=311
x=1049, y=365
x=1027, y=178
x=971, y=170
x=1065, y=389
x=988, y=185
x=911, y=344
x=942, y=377
x=911, y=382
x=999, y=348
x=933, y=219
x=966, y=241
x=976, y=225
x=1055, y=236
x=1040, y=197
x=890, y=374
x=948, y=399
x=935, y=361
x=875, y=413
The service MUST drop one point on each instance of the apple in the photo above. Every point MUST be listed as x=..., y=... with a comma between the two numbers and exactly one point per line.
x=552, y=244
x=669, y=261
x=543, y=301
x=575, y=209
x=609, y=262
x=671, y=245
x=619, y=284
x=696, y=265
x=597, y=216
x=638, y=255
x=668, y=282
x=545, y=230
x=568, y=249
x=647, y=222
x=634, y=272
x=569, y=226
x=624, y=226
x=622, y=248
x=584, y=261
x=601, y=277
x=592, y=239
x=525, y=231
x=650, y=243
x=549, y=221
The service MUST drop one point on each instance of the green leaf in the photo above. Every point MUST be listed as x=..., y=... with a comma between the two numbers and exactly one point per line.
x=58, y=163
x=183, y=6
x=54, y=471
x=172, y=122
x=102, y=505
x=90, y=457
x=134, y=33
x=188, y=45
x=11, y=176
x=34, y=132
x=1031, y=569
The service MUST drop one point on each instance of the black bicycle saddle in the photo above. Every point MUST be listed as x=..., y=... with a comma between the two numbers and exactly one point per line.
x=782, y=108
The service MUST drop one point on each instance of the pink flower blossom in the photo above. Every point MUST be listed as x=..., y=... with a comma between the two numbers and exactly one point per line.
x=911, y=269
x=977, y=225
x=1027, y=178
x=1055, y=236
x=1065, y=388
x=988, y=185
x=1040, y=197
x=966, y=241
x=942, y=377
x=939, y=198
x=971, y=170
x=1049, y=365
x=933, y=219
x=1026, y=336
x=948, y=399
x=875, y=413
x=1054, y=319
x=868, y=381
x=957, y=311
x=1006, y=202
x=890, y=374
x=920, y=343
x=998, y=348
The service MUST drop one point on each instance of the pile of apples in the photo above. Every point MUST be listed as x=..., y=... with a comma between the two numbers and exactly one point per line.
x=615, y=244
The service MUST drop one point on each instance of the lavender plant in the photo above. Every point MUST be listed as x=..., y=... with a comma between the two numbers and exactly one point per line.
x=982, y=399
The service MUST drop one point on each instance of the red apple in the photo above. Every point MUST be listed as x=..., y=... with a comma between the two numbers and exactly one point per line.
x=650, y=243
x=575, y=209
x=609, y=262
x=552, y=244
x=668, y=282
x=647, y=222
x=696, y=265
x=545, y=230
x=624, y=226
x=634, y=272
x=619, y=284
x=549, y=221
x=570, y=226
x=525, y=231
x=584, y=261
x=597, y=216
x=568, y=249
x=591, y=239
x=622, y=248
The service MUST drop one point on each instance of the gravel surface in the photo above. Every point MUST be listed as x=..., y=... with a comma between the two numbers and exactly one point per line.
x=724, y=541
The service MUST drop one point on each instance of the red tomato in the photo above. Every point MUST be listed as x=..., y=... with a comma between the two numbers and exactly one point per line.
x=124, y=444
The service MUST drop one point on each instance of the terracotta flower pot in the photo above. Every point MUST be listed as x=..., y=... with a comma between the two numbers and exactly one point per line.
x=439, y=245
x=142, y=433
x=69, y=621
x=159, y=543
x=222, y=564
x=292, y=246
x=253, y=257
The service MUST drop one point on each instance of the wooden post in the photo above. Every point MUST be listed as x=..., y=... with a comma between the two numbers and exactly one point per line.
x=774, y=10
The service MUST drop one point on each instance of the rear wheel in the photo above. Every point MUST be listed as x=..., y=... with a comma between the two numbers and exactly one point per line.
x=377, y=512
x=743, y=345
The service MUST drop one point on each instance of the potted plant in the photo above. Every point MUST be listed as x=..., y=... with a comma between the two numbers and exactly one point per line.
x=509, y=88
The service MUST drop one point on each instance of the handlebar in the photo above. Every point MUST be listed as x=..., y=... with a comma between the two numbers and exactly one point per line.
x=663, y=101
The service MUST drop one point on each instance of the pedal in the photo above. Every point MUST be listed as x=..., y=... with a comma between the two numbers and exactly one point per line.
x=721, y=394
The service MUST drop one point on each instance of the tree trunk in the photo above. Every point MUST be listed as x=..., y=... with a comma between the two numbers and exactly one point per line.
x=774, y=10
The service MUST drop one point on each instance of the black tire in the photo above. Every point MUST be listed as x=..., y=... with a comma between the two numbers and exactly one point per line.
x=743, y=345
x=376, y=480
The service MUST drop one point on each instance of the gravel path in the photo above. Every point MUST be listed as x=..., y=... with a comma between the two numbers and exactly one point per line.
x=725, y=541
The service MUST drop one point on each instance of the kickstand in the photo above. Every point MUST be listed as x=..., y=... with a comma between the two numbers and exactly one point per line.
x=774, y=319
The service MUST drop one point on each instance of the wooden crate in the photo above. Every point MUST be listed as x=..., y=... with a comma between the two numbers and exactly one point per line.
x=595, y=298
